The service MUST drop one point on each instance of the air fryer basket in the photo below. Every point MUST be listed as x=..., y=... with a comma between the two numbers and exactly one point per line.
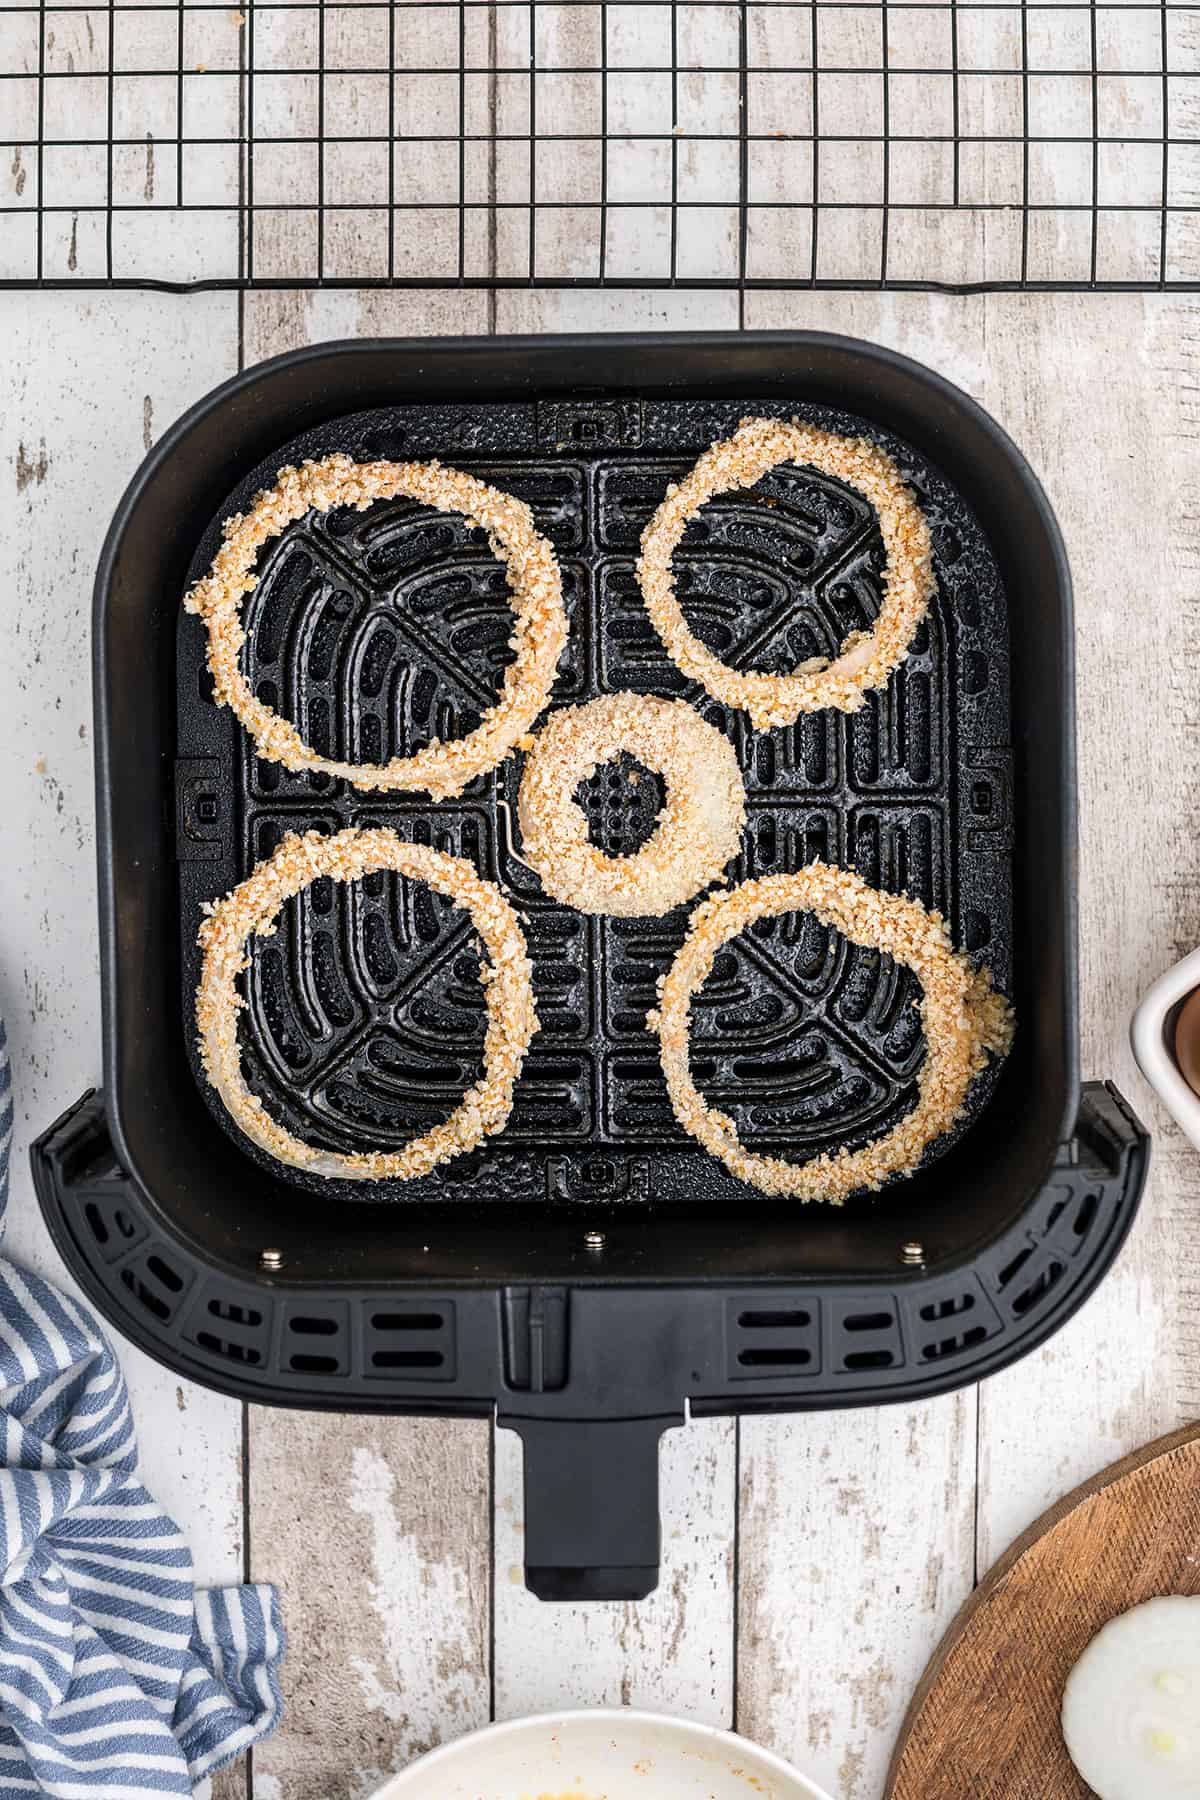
x=365, y=1015
x=589, y=1275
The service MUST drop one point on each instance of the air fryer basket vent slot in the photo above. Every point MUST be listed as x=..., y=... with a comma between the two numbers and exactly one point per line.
x=963, y=1328
x=145, y=1295
x=234, y=1352
x=773, y=1321
x=109, y=1223
x=235, y=1314
x=233, y=1326
x=164, y=1274
x=947, y=1308
x=1085, y=1217
x=780, y=1339
x=1012, y=1269
x=1036, y=1291
x=411, y=1340
x=952, y=1346
x=155, y=1284
x=868, y=1337
x=407, y=1359
x=869, y=1359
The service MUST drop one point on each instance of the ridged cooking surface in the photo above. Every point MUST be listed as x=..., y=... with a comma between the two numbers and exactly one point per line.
x=380, y=630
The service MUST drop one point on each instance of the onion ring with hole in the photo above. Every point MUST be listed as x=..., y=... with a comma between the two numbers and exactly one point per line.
x=866, y=658
x=253, y=907
x=963, y=1016
x=533, y=576
x=699, y=828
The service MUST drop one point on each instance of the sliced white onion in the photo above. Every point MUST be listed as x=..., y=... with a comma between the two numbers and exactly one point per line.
x=1131, y=1706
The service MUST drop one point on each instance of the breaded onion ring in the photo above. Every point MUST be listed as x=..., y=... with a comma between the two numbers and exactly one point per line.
x=963, y=1017
x=252, y=908
x=867, y=658
x=533, y=576
x=699, y=828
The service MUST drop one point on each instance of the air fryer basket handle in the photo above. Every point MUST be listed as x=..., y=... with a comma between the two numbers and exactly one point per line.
x=563, y=1364
x=592, y=1527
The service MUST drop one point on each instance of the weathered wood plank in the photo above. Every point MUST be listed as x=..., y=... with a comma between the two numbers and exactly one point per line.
x=856, y=1529
x=389, y=1620
x=855, y=1551
x=279, y=319
x=87, y=385
x=675, y=1650
x=230, y=1783
x=1129, y=1363
x=631, y=309
x=672, y=1652
x=378, y=1531
x=1099, y=393
x=59, y=403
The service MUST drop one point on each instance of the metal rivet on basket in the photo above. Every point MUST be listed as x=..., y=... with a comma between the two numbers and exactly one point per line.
x=594, y=1240
x=272, y=1260
x=912, y=1252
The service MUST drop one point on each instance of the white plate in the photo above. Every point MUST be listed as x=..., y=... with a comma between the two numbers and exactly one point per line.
x=1156, y=1054
x=600, y=1755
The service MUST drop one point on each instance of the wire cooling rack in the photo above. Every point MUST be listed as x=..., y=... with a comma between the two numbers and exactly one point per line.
x=503, y=143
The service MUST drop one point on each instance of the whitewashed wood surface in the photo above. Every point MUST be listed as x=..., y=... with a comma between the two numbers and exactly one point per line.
x=810, y=1562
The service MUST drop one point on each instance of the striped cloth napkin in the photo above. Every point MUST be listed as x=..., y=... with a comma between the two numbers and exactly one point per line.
x=119, y=1679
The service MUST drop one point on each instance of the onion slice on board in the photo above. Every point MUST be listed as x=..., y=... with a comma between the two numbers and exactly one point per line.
x=1131, y=1706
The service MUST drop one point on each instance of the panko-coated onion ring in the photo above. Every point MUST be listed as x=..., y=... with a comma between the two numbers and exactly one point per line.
x=963, y=1016
x=867, y=658
x=533, y=576
x=253, y=907
x=699, y=828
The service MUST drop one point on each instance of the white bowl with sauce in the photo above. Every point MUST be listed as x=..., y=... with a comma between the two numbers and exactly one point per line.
x=616, y=1754
x=1165, y=1034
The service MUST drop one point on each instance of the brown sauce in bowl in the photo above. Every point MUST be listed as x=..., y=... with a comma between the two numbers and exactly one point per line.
x=1187, y=1040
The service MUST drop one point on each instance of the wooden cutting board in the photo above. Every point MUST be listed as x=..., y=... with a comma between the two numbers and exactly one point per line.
x=984, y=1720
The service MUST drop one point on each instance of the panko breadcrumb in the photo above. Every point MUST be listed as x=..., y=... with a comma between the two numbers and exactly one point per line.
x=867, y=658
x=533, y=577
x=964, y=1019
x=253, y=907
x=698, y=830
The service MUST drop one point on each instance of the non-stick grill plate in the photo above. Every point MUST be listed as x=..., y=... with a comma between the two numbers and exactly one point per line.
x=377, y=631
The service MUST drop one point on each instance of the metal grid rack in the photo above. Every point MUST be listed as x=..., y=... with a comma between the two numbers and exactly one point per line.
x=955, y=144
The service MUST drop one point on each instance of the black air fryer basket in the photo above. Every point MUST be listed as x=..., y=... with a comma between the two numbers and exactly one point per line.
x=589, y=1276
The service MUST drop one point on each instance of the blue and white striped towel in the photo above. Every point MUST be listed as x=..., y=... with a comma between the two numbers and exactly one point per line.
x=118, y=1678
